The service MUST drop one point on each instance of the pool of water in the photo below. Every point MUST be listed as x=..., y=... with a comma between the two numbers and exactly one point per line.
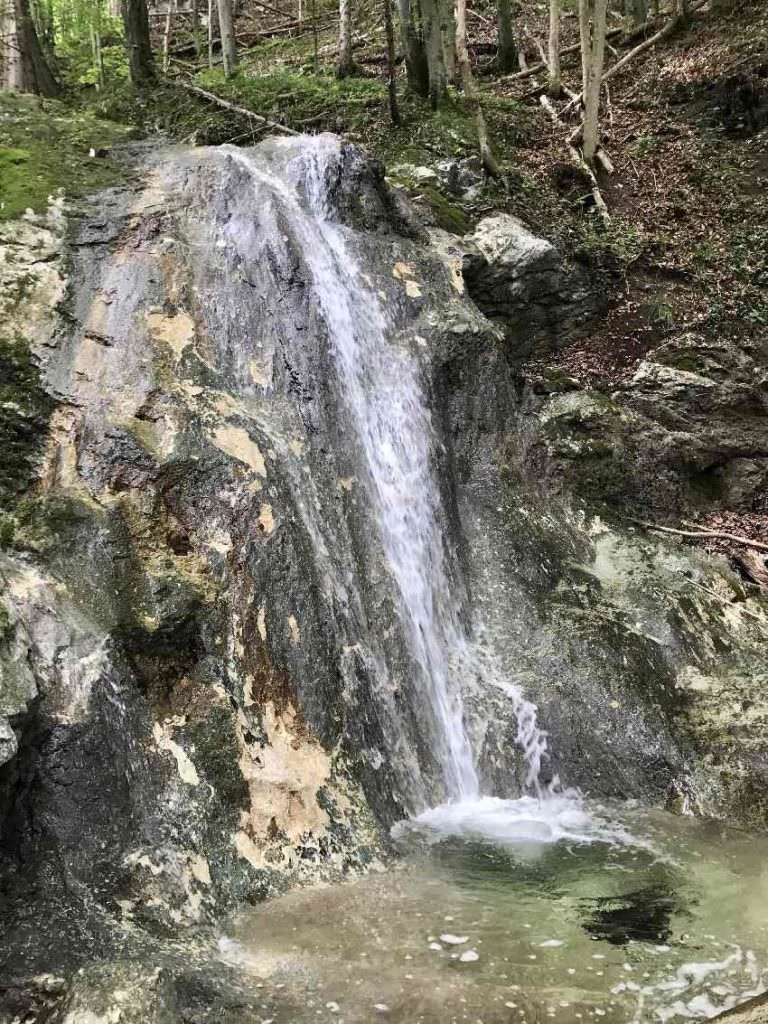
x=516, y=912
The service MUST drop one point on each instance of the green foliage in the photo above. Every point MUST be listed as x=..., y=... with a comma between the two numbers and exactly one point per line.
x=615, y=246
x=44, y=149
x=81, y=69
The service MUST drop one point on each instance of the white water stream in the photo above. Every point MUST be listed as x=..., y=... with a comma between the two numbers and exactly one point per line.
x=383, y=393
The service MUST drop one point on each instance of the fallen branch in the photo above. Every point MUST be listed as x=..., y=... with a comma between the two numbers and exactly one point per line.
x=718, y=534
x=237, y=110
x=578, y=161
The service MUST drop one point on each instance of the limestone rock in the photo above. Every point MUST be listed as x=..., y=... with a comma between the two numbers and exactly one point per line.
x=520, y=280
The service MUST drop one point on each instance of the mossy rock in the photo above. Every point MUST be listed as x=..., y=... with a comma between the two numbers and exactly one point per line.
x=24, y=412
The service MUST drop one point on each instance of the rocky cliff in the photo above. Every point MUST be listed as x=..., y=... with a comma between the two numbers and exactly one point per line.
x=207, y=692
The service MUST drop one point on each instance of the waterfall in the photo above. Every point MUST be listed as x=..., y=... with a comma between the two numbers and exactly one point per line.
x=381, y=388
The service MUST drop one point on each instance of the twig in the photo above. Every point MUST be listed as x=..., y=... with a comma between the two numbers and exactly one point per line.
x=719, y=534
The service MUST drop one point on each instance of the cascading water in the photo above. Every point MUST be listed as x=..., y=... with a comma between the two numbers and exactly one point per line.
x=386, y=405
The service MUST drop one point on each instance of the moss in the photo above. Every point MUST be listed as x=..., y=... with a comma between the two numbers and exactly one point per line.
x=295, y=98
x=44, y=147
x=24, y=412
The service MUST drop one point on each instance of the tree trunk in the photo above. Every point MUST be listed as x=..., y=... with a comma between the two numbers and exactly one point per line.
x=416, y=68
x=554, y=83
x=506, y=53
x=592, y=17
x=470, y=90
x=167, y=34
x=211, y=30
x=434, y=18
x=228, y=42
x=684, y=9
x=24, y=66
x=136, y=24
x=636, y=13
x=97, y=57
x=389, y=31
x=344, y=65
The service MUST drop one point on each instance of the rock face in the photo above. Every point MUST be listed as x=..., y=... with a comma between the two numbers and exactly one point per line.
x=520, y=281
x=208, y=691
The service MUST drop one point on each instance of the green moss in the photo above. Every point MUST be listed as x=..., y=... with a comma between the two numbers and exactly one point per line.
x=24, y=411
x=298, y=98
x=44, y=147
x=449, y=216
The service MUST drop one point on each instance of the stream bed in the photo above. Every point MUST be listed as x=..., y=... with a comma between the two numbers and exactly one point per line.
x=522, y=911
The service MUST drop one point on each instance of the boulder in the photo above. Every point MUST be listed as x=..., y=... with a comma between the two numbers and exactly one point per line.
x=521, y=282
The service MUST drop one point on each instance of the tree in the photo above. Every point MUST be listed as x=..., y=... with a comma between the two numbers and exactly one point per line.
x=228, y=41
x=636, y=12
x=554, y=84
x=506, y=52
x=592, y=17
x=389, y=31
x=24, y=64
x=136, y=25
x=416, y=69
x=439, y=28
x=344, y=64
x=470, y=90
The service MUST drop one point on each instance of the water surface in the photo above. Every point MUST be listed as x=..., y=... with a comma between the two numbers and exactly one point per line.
x=571, y=913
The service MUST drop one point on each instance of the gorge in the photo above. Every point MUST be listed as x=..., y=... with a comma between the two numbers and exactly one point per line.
x=312, y=633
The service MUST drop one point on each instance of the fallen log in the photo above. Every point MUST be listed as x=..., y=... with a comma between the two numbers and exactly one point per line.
x=578, y=161
x=235, y=109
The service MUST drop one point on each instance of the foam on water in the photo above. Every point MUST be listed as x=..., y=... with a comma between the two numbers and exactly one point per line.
x=527, y=822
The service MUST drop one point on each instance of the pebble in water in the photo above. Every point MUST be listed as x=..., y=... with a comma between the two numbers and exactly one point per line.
x=469, y=956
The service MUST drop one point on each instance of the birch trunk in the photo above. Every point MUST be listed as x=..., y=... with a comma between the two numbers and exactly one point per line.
x=228, y=42
x=470, y=90
x=167, y=34
x=136, y=24
x=416, y=70
x=211, y=30
x=506, y=53
x=592, y=17
x=554, y=83
x=344, y=64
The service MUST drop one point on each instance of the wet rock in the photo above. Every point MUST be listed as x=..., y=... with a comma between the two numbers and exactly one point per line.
x=119, y=992
x=207, y=674
x=685, y=433
x=520, y=281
